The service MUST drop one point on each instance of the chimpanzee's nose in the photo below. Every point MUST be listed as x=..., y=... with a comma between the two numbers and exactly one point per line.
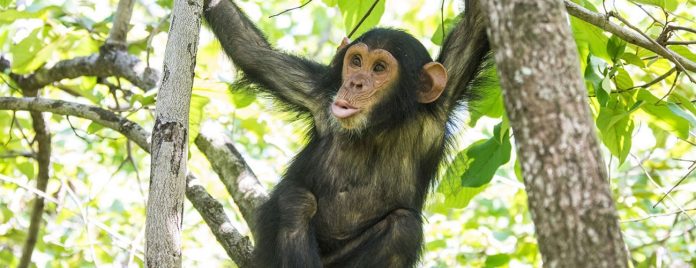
x=356, y=84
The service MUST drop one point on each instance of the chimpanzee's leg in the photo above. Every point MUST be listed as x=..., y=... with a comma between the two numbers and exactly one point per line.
x=284, y=236
x=395, y=241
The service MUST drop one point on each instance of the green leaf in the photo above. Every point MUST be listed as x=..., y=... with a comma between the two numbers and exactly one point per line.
x=497, y=260
x=196, y=113
x=669, y=5
x=94, y=127
x=623, y=79
x=11, y=15
x=615, y=128
x=615, y=47
x=684, y=52
x=437, y=37
x=330, y=3
x=490, y=104
x=485, y=157
x=242, y=98
x=32, y=53
x=681, y=113
x=5, y=214
x=5, y=3
x=606, y=84
x=633, y=59
x=661, y=115
x=683, y=102
x=594, y=80
x=354, y=10
x=27, y=168
x=146, y=99
x=436, y=245
x=255, y=126
x=451, y=195
x=588, y=33
x=518, y=170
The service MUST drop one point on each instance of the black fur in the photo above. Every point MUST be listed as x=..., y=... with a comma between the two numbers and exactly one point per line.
x=347, y=199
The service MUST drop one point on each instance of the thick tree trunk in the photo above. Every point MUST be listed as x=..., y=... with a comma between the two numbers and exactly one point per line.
x=565, y=177
x=165, y=205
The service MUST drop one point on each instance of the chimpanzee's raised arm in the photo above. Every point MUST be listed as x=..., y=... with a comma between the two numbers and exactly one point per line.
x=289, y=78
x=463, y=54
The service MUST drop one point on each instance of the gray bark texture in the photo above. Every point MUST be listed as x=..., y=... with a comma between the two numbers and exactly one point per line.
x=122, y=17
x=239, y=180
x=165, y=205
x=237, y=246
x=43, y=158
x=566, y=181
x=104, y=117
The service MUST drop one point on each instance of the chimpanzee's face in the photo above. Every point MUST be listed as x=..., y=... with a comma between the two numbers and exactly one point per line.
x=368, y=76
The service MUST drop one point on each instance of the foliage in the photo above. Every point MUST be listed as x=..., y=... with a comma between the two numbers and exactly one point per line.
x=477, y=215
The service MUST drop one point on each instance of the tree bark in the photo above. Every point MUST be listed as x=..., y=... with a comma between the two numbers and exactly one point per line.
x=122, y=16
x=237, y=246
x=239, y=180
x=43, y=158
x=569, y=198
x=165, y=205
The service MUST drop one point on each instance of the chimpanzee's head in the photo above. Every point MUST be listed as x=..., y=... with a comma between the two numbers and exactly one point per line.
x=387, y=76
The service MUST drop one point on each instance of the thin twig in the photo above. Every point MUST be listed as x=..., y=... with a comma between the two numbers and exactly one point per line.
x=290, y=9
x=9, y=132
x=363, y=19
x=29, y=188
x=652, y=180
x=648, y=84
x=655, y=43
x=682, y=28
x=659, y=215
x=13, y=154
x=674, y=43
x=442, y=19
x=662, y=240
x=674, y=84
x=67, y=117
x=691, y=169
x=646, y=12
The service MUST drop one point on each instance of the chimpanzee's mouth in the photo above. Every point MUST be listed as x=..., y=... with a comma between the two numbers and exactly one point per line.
x=342, y=109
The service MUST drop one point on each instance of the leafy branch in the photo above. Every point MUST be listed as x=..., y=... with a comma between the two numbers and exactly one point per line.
x=631, y=36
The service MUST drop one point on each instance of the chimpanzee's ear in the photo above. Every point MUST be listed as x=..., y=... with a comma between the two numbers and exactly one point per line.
x=434, y=82
x=344, y=43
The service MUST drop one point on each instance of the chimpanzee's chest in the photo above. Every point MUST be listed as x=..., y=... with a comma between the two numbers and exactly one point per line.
x=357, y=186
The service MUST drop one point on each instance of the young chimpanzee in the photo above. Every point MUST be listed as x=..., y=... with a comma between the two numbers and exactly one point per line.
x=353, y=196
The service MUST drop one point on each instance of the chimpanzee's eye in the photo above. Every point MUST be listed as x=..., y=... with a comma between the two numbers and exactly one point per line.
x=379, y=67
x=355, y=61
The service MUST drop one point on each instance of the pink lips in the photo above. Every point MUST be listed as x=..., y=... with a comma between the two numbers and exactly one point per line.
x=342, y=109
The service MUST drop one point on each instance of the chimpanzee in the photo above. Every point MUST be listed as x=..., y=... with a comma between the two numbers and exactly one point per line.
x=379, y=129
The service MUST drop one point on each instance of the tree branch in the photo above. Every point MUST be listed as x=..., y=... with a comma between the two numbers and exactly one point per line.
x=106, y=63
x=239, y=180
x=101, y=116
x=235, y=174
x=602, y=21
x=683, y=43
x=14, y=154
x=43, y=158
x=122, y=16
x=237, y=246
